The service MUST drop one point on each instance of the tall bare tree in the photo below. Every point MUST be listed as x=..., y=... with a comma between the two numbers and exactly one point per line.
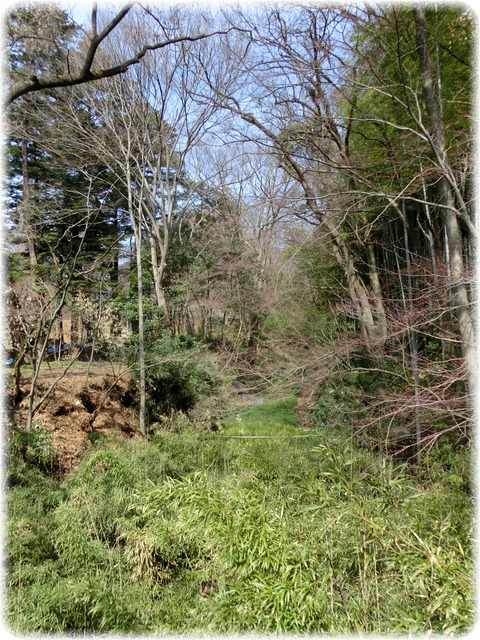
x=291, y=105
x=144, y=128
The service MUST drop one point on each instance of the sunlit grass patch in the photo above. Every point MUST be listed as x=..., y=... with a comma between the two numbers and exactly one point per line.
x=271, y=418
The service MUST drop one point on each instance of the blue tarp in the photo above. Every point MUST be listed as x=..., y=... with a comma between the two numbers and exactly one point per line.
x=10, y=361
x=58, y=348
x=50, y=351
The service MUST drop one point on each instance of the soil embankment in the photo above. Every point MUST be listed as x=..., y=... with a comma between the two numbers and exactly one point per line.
x=84, y=401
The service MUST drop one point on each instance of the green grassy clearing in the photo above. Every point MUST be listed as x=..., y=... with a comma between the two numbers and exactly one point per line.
x=275, y=417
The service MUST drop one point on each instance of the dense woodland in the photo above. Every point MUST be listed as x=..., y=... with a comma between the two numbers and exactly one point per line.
x=276, y=200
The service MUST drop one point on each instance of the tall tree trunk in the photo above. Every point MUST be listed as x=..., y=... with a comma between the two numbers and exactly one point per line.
x=136, y=222
x=24, y=210
x=157, y=275
x=433, y=258
x=141, y=331
x=412, y=333
x=367, y=302
x=459, y=293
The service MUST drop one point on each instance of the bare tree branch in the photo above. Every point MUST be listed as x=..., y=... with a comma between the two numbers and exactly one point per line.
x=87, y=73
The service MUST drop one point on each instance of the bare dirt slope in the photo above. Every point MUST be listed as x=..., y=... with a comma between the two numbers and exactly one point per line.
x=85, y=401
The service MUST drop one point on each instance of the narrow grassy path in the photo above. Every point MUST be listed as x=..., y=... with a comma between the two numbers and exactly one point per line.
x=275, y=417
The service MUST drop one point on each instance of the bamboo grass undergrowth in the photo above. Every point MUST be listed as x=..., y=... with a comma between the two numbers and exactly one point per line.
x=194, y=533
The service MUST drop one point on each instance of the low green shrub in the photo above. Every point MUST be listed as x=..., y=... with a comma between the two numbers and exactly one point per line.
x=337, y=405
x=178, y=374
x=33, y=448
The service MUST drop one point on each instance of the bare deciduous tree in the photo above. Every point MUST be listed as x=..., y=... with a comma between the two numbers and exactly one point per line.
x=285, y=67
